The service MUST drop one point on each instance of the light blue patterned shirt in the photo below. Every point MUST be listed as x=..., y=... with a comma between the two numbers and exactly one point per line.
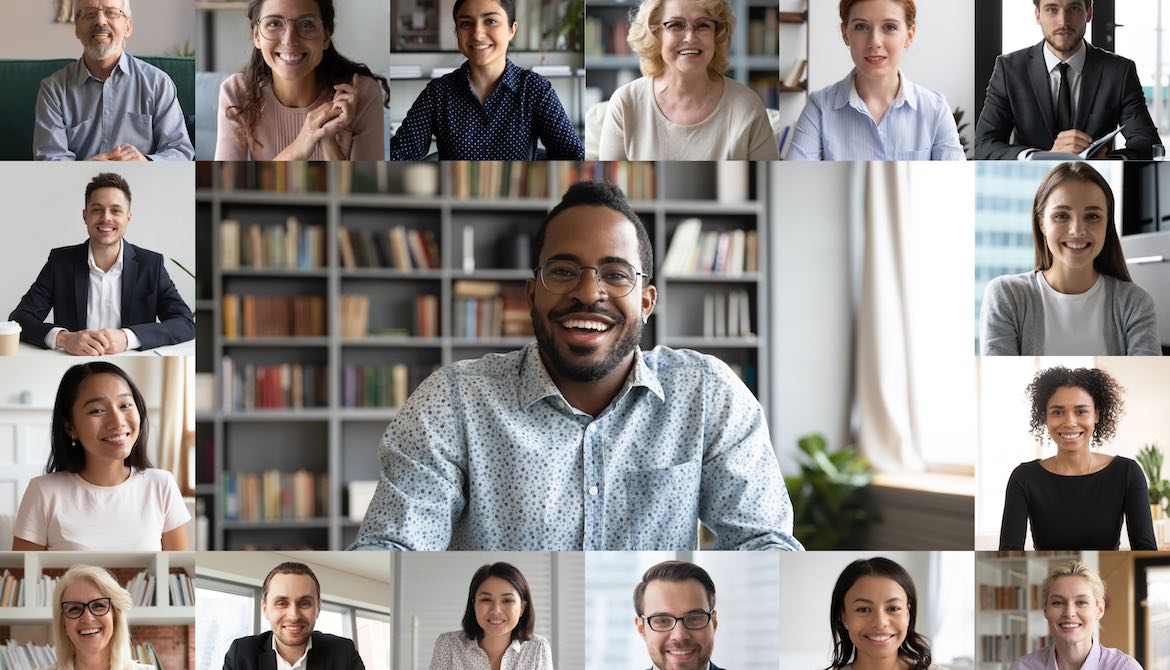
x=80, y=116
x=488, y=455
x=836, y=126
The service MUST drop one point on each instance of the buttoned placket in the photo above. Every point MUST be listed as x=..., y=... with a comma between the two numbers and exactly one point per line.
x=593, y=481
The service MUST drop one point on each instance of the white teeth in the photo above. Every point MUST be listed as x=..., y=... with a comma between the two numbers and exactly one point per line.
x=88, y=631
x=1077, y=245
x=291, y=59
x=588, y=325
x=689, y=52
x=481, y=47
x=679, y=652
x=880, y=638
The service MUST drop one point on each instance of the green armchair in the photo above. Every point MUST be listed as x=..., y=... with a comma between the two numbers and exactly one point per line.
x=22, y=80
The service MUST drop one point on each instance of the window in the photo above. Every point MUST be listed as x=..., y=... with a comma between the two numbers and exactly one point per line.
x=372, y=631
x=226, y=611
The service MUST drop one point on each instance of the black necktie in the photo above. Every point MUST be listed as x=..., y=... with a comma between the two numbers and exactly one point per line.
x=1063, y=101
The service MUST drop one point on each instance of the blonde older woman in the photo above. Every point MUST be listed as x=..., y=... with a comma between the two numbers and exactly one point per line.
x=683, y=108
x=1074, y=602
x=90, y=630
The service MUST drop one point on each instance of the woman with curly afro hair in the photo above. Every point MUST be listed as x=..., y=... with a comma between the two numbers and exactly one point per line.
x=1078, y=498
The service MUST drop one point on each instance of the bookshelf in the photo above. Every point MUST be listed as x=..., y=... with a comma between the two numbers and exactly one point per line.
x=1009, y=618
x=610, y=62
x=342, y=440
x=794, y=36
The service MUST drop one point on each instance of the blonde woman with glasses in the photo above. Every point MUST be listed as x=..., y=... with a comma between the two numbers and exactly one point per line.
x=90, y=631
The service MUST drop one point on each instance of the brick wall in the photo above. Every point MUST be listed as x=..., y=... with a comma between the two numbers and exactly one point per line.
x=175, y=645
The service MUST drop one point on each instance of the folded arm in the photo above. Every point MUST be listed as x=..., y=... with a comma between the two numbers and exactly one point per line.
x=171, y=142
x=175, y=321
x=50, y=139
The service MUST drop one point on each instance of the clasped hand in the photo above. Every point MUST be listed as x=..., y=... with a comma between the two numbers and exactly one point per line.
x=93, y=342
x=122, y=152
x=1074, y=142
x=323, y=123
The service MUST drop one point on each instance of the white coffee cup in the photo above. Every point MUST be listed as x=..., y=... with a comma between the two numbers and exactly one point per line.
x=9, y=338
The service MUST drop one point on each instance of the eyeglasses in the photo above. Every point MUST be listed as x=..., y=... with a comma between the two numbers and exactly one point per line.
x=664, y=623
x=562, y=277
x=72, y=609
x=112, y=14
x=700, y=27
x=309, y=27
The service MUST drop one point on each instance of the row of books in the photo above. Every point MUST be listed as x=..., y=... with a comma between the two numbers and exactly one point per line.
x=271, y=246
x=693, y=251
x=277, y=386
x=635, y=179
x=375, y=385
x=273, y=316
x=396, y=248
x=1007, y=648
x=27, y=656
x=355, y=317
x=141, y=589
x=274, y=176
x=489, y=180
x=484, y=309
x=727, y=314
x=1008, y=597
x=606, y=38
x=764, y=35
x=768, y=88
x=274, y=495
x=144, y=653
x=182, y=589
x=12, y=593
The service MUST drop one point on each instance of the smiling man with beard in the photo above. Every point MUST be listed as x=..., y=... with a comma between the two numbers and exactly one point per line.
x=108, y=105
x=581, y=440
x=291, y=601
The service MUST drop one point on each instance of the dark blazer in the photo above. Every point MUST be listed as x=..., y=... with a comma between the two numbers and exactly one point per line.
x=1019, y=98
x=712, y=667
x=329, y=652
x=147, y=294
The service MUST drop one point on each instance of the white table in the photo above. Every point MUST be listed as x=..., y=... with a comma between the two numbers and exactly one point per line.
x=181, y=349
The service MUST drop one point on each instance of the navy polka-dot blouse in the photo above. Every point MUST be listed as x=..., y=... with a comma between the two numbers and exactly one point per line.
x=506, y=126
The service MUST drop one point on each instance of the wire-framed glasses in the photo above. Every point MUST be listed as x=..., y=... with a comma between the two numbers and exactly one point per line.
x=309, y=27
x=691, y=620
x=111, y=13
x=700, y=27
x=71, y=609
x=562, y=277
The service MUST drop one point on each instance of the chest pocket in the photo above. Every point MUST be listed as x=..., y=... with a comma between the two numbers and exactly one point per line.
x=661, y=507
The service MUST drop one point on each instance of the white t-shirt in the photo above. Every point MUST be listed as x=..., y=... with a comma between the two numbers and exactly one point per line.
x=1073, y=324
x=64, y=512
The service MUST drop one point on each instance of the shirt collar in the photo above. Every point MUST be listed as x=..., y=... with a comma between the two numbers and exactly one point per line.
x=847, y=96
x=536, y=384
x=471, y=644
x=300, y=661
x=84, y=75
x=1092, y=661
x=116, y=267
x=510, y=78
x=1076, y=61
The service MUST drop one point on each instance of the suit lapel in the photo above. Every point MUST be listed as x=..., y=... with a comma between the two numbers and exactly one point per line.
x=1038, y=73
x=129, y=279
x=80, y=290
x=1090, y=81
x=267, y=659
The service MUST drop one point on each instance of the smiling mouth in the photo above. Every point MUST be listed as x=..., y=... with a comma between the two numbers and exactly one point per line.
x=86, y=632
x=117, y=439
x=1076, y=245
x=497, y=622
x=291, y=59
x=1070, y=625
x=294, y=630
x=880, y=637
x=481, y=47
x=1071, y=436
x=689, y=52
x=585, y=324
x=680, y=652
x=874, y=60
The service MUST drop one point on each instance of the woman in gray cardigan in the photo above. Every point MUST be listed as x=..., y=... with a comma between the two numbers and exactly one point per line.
x=1080, y=299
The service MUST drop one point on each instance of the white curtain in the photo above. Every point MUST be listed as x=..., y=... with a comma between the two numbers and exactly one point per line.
x=177, y=420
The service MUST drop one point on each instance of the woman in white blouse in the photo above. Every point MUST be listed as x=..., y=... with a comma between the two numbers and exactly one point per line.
x=497, y=627
x=89, y=622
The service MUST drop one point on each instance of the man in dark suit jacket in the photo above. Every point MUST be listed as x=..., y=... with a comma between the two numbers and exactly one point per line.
x=89, y=276
x=291, y=601
x=1026, y=91
x=675, y=616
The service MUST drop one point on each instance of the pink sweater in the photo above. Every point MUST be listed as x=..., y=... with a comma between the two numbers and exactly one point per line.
x=279, y=125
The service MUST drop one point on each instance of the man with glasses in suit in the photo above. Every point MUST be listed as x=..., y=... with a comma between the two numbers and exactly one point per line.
x=675, y=607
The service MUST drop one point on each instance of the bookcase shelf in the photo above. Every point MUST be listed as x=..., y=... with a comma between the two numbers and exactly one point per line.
x=342, y=440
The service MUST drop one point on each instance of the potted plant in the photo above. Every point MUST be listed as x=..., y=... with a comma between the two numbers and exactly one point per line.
x=1150, y=457
x=826, y=501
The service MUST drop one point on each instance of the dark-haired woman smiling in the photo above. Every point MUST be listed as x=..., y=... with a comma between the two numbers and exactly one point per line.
x=100, y=492
x=872, y=615
x=497, y=627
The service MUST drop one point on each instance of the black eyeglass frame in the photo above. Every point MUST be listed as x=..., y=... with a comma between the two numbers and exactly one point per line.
x=86, y=606
x=539, y=276
x=677, y=619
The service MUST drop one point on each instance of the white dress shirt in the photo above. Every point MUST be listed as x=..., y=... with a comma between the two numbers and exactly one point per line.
x=282, y=664
x=103, y=306
x=1076, y=66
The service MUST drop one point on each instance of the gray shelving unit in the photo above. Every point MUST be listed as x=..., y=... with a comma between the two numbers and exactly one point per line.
x=343, y=441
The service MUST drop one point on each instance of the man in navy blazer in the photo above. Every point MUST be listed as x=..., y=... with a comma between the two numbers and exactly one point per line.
x=107, y=295
x=291, y=600
x=675, y=607
x=1026, y=93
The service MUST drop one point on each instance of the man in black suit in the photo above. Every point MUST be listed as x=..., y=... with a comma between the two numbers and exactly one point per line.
x=105, y=294
x=291, y=601
x=1063, y=93
x=675, y=606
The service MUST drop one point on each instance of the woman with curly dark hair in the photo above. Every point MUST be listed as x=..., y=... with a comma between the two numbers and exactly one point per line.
x=1078, y=498
x=872, y=616
x=298, y=98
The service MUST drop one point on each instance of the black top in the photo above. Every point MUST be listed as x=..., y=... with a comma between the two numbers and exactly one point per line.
x=1077, y=512
x=329, y=652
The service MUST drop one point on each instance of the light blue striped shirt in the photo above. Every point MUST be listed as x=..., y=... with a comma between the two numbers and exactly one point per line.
x=836, y=126
x=80, y=116
x=488, y=455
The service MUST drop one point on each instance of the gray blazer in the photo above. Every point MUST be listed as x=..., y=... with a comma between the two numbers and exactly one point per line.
x=1012, y=319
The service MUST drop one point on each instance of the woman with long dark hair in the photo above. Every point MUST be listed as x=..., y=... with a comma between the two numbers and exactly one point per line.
x=99, y=491
x=497, y=626
x=298, y=98
x=872, y=616
x=1079, y=299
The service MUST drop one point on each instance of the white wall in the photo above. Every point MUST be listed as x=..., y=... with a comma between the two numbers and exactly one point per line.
x=354, y=586
x=811, y=322
x=48, y=215
x=942, y=57
x=160, y=28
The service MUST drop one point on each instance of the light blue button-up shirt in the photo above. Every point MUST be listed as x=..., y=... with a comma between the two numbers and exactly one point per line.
x=836, y=126
x=488, y=455
x=80, y=116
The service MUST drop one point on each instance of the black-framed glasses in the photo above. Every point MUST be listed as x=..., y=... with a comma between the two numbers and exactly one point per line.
x=111, y=13
x=71, y=609
x=664, y=623
x=700, y=27
x=309, y=27
x=562, y=277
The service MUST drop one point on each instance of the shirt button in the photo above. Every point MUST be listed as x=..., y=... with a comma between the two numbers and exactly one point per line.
x=593, y=490
x=592, y=428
